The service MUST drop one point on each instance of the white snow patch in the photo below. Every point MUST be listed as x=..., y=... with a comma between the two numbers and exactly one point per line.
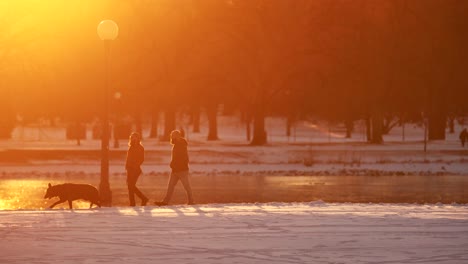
x=314, y=232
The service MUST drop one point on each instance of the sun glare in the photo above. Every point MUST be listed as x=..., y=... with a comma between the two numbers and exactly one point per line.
x=38, y=37
x=20, y=194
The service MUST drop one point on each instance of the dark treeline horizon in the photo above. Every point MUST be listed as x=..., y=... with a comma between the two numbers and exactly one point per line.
x=337, y=60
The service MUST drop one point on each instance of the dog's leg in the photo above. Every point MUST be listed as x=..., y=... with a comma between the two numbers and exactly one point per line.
x=59, y=201
x=70, y=204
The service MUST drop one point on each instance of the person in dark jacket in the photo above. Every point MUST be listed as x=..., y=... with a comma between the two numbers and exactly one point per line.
x=463, y=137
x=180, y=168
x=135, y=157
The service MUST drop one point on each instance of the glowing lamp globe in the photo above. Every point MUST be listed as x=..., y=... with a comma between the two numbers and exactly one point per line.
x=108, y=30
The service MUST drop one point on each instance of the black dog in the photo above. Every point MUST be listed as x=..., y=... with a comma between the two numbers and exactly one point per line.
x=70, y=192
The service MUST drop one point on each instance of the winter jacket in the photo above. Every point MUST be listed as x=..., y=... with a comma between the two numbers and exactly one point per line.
x=180, y=159
x=135, y=157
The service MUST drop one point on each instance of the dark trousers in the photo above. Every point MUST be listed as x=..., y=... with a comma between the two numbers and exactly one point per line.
x=183, y=176
x=132, y=178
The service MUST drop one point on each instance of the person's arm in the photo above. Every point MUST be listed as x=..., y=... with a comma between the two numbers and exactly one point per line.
x=127, y=161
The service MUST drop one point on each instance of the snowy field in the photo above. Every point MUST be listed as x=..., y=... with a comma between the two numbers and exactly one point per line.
x=315, y=163
x=314, y=232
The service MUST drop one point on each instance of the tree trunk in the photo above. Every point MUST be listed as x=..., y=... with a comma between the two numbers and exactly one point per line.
x=259, y=133
x=154, y=124
x=288, y=125
x=212, y=111
x=452, y=124
x=6, y=116
x=368, y=129
x=246, y=119
x=78, y=134
x=169, y=123
x=377, y=129
x=138, y=123
x=437, y=111
x=196, y=119
x=386, y=125
x=349, y=124
x=437, y=122
x=248, y=130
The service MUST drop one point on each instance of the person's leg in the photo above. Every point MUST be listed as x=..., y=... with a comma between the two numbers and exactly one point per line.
x=140, y=195
x=170, y=187
x=131, y=181
x=184, y=178
x=137, y=191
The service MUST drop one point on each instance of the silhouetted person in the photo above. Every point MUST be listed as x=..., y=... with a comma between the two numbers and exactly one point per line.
x=463, y=137
x=179, y=166
x=135, y=157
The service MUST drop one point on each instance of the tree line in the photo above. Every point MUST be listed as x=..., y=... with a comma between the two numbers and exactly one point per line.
x=339, y=60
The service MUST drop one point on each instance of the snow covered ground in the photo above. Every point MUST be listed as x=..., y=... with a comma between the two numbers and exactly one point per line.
x=314, y=232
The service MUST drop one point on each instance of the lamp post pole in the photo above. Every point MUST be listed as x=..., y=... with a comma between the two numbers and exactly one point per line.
x=117, y=120
x=104, y=186
x=107, y=31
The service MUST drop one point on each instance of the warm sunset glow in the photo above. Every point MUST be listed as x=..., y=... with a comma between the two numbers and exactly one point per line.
x=238, y=53
x=235, y=72
x=29, y=193
x=233, y=131
x=48, y=51
x=20, y=194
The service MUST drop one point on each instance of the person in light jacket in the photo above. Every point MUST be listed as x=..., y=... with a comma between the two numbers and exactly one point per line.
x=180, y=169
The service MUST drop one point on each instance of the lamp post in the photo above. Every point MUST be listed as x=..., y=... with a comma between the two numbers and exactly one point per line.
x=107, y=31
x=117, y=97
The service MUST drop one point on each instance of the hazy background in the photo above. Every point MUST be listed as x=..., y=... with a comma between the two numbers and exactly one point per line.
x=385, y=62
